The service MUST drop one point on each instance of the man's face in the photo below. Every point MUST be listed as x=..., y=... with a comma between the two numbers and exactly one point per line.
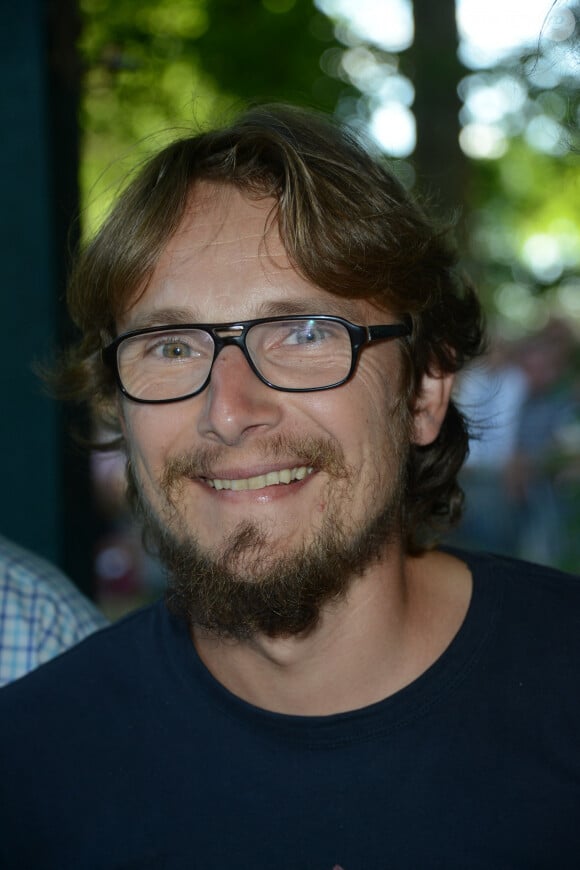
x=344, y=449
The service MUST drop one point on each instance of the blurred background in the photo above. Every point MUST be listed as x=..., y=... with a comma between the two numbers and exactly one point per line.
x=473, y=102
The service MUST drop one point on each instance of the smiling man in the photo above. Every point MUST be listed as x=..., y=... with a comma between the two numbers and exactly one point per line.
x=272, y=501
x=272, y=326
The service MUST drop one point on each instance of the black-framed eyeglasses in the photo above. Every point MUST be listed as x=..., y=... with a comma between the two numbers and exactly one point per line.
x=293, y=354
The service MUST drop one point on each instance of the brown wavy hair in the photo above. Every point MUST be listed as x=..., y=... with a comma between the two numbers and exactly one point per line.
x=348, y=226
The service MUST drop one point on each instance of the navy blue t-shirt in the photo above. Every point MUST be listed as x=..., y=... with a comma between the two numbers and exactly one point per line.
x=126, y=753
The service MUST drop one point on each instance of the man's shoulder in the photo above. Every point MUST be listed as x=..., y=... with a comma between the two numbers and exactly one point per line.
x=510, y=569
x=518, y=571
x=112, y=654
x=538, y=599
x=76, y=720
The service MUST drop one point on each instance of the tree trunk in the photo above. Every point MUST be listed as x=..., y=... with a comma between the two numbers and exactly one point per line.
x=435, y=70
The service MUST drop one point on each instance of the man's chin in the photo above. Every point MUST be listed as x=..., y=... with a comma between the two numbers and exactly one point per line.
x=249, y=552
x=249, y=588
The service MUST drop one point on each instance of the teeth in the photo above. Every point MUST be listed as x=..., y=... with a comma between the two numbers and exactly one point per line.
x=272, y=478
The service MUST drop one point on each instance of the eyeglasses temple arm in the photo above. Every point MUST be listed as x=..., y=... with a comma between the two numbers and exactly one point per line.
x=392, y=330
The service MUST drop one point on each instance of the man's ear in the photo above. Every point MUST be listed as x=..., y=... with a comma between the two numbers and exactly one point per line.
x=430, y=407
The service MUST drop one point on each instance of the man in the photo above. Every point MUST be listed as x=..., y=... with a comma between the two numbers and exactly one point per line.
x=41, y=612
x=273, y=327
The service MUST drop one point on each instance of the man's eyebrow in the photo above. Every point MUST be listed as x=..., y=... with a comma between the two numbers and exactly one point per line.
x=280, y=308
x=163, y=316
x=290, y=307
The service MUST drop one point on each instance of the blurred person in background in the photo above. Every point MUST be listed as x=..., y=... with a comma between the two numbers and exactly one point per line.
x=42, y=613
x=491, y=393
x=547, y=420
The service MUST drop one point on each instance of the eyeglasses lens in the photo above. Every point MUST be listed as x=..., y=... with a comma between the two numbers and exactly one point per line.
x=301, y=354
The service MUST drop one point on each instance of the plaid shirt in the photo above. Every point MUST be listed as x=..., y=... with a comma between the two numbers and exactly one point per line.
x=41, y=612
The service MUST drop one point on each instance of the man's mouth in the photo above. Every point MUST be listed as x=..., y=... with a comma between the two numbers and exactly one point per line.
x=260, y=481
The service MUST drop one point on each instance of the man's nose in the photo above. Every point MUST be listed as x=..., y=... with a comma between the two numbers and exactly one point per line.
x=236, y=401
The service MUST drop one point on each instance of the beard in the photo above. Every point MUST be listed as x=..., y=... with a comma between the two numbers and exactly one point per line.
x=247, y=587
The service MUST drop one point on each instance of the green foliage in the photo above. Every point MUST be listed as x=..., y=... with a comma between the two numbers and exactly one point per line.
x=524, y=232
x=156, y=66
x=269, y=50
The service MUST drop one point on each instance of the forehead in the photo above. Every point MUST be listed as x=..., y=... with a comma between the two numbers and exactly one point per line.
x=224, y=231
x=226, y=261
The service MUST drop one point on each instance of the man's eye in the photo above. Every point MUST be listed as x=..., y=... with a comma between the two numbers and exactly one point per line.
x=308, y=335
x=172, y=349
x=176, y=350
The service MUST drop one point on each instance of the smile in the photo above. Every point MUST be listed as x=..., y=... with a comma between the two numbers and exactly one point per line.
x=272, y=478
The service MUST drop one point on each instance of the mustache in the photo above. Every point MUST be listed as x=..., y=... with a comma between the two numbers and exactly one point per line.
x=322, y=454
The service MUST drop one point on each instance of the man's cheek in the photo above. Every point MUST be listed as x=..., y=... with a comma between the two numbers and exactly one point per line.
x=146, y=477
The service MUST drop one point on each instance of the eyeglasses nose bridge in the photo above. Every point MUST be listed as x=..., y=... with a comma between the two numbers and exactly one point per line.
x=222, y=337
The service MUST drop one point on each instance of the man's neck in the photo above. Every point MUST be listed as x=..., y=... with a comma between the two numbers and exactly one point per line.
x=394, y=623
